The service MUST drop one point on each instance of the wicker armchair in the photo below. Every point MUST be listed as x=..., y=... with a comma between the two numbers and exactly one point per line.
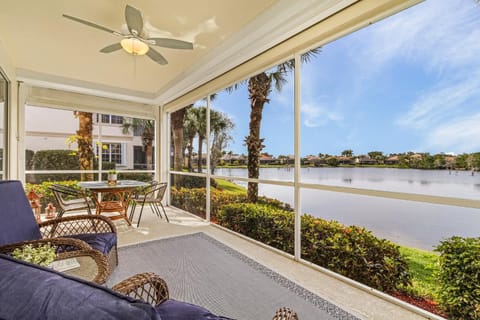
x=80, y=232
x=152, y=289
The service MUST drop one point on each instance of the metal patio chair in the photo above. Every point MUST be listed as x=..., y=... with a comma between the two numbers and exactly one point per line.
x=71, y=199
x=152, y=195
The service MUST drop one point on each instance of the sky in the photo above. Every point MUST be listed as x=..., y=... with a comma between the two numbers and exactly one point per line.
x=410, y=82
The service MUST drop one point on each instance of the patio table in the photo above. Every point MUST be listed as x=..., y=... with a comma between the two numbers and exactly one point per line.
x=112, y=198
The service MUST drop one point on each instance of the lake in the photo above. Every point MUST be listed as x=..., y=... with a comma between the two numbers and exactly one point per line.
x=410, y=223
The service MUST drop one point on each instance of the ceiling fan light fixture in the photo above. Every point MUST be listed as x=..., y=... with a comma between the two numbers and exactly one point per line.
x=134, y=46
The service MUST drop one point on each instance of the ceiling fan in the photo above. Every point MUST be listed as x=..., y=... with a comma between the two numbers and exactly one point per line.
x=136, y=41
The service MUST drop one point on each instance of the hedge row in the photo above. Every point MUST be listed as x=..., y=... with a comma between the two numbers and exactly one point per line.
x=193, y=200
x=459, y=277
x=350, y=251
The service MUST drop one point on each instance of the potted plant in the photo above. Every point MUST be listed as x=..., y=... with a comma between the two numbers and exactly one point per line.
x=112, y=177
x=42, y=254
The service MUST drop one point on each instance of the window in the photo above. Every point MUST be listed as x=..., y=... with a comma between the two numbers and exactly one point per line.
x=111, y=119
x=116, y=119
x=112, y=152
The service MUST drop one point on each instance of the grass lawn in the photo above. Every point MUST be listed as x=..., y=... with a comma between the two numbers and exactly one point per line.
x=229, y=186
x=423, y=265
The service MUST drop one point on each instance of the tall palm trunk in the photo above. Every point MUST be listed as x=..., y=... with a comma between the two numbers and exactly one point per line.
x=149, y=156
x=190, y=155
x=85, y=143
x=176, y=119
x=200, y=149
x=147, y=140
x=259, y=88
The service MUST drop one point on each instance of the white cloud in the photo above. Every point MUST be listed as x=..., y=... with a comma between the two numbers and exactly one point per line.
x=439, y=103
x=316, y=116
x=460, y=135
x=430, y=32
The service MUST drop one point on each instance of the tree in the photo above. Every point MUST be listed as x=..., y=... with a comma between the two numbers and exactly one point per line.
x=148, y=135
x=176, y=119
x=220, y=127
x=377, y=155
x=347, y=153
x=189, y=132
x=259, y=88
x=195, y=125
x=84, y=139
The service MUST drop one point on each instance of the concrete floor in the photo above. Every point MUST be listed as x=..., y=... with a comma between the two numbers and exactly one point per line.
x=358, y=302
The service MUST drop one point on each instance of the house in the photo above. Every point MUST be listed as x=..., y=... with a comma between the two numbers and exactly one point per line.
x=365, y=160
x=266, y=159
x=234, y=159
x=392, y=160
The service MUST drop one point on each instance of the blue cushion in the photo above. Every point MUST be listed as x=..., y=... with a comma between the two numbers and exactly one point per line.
x=178, y=310
x=102, y=242
x=16, y=216
x=32, y=292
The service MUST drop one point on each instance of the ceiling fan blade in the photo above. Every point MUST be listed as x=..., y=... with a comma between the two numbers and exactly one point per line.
x=91, y=24
x=172, y=43
x=111, y=48
x=134, y=20
x=156, y=56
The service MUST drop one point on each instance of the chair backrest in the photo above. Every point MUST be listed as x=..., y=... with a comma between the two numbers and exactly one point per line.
x=62, y=192
x=160, y=189
x=17, y=220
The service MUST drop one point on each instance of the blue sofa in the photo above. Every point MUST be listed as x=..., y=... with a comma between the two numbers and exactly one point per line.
x=32, y=292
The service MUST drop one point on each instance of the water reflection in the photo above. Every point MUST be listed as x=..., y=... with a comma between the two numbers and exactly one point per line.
x=430, y=182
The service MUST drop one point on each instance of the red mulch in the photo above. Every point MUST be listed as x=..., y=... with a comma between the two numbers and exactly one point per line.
x=426, y=304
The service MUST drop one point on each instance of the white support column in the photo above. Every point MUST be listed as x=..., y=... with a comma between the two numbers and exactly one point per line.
x=164, y=150
x=100, y=147
x=207, y=194
x=296, y=179
x=159, y=161
x=18, y=168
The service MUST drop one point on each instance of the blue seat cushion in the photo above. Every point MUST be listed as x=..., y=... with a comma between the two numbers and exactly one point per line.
x=102, y=242
x=17, y=221
x=178, y=310
x=32, y=292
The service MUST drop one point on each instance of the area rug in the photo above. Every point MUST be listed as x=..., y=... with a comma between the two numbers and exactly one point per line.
x=201, y=270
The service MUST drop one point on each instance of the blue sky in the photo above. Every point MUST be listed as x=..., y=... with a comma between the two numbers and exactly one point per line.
x=408, y=83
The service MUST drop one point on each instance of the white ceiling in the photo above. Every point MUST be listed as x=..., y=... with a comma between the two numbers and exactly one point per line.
x=51, y=51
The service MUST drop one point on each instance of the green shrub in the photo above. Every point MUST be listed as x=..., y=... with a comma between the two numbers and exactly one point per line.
x=193, y=200
x=264, y=223
x=355, y=253
x=54, y=160
x=351, y=251
x=43, y=190
x=459, y=277
x=29, y=159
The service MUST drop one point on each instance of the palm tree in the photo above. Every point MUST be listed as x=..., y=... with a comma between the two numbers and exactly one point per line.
x=259, y=88
x=220, y=126
x=148, y=135
x=177, y=119
x=190, y=128
x=84, y=141
x=195, y=126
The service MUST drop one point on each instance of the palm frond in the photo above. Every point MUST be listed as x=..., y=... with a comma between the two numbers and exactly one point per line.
x=235, y=86
x=307, y=56
x=278, y=79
